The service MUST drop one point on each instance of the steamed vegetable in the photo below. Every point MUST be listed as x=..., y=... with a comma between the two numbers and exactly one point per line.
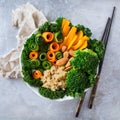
x=76, y=82
x=85, y=60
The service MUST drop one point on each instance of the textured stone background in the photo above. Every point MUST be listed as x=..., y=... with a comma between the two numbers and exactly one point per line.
x=18, y=102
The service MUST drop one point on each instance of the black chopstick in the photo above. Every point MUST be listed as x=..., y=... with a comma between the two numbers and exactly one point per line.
x=80, y=105
x=106, y=26
x=82, y=99
x=105, y=40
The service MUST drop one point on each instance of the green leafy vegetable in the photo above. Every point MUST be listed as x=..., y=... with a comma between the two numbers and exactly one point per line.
x=59, y=21
x=86, y=31
x=51, y=94
x=98, y=47
x=29, y=79
x=43, y=47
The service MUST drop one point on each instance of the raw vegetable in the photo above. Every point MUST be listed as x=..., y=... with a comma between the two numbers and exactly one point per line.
x=65, y=22
x=29, y=78
x=51, y=94
x=37, y=74
x=86, y=31
x=43, y=56
x=80, y=42
x=80, y=35
x=33, y=46
x=70, y=36
x=48, y=36
x=33, y=55
x=43, y=47
x=71, y=42
x=84, y=45
x=65, y=30
x=46, y=65
x=98, y=47
x=58, y=37
x=50, y=55
x=58, y=55
x=54, y=46
x=35, y=63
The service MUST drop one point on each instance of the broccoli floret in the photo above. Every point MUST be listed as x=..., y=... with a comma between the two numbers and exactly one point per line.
x=98, y=47
x=76, y=82
x=85, y=60
x=51, y=94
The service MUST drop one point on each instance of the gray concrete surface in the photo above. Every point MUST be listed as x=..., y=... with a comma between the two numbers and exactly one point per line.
x=18, y=102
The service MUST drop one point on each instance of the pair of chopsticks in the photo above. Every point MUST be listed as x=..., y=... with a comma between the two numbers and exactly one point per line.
x=104, y=39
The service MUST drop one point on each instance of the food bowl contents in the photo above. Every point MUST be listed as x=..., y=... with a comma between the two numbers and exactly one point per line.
x=61, y=59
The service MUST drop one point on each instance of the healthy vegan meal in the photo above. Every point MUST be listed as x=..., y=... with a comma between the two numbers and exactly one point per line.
x=61, y=59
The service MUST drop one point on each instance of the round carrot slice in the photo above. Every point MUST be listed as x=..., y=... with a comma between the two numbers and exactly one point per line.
x=33, y=55
x=50, y=55
x=37, y=74
x=54, y=47
x=48, y=36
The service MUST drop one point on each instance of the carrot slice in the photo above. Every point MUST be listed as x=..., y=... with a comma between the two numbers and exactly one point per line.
x=48, y=36
x=54, y=47
x=33, y=55
x=50, y=55
x=37, y=74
